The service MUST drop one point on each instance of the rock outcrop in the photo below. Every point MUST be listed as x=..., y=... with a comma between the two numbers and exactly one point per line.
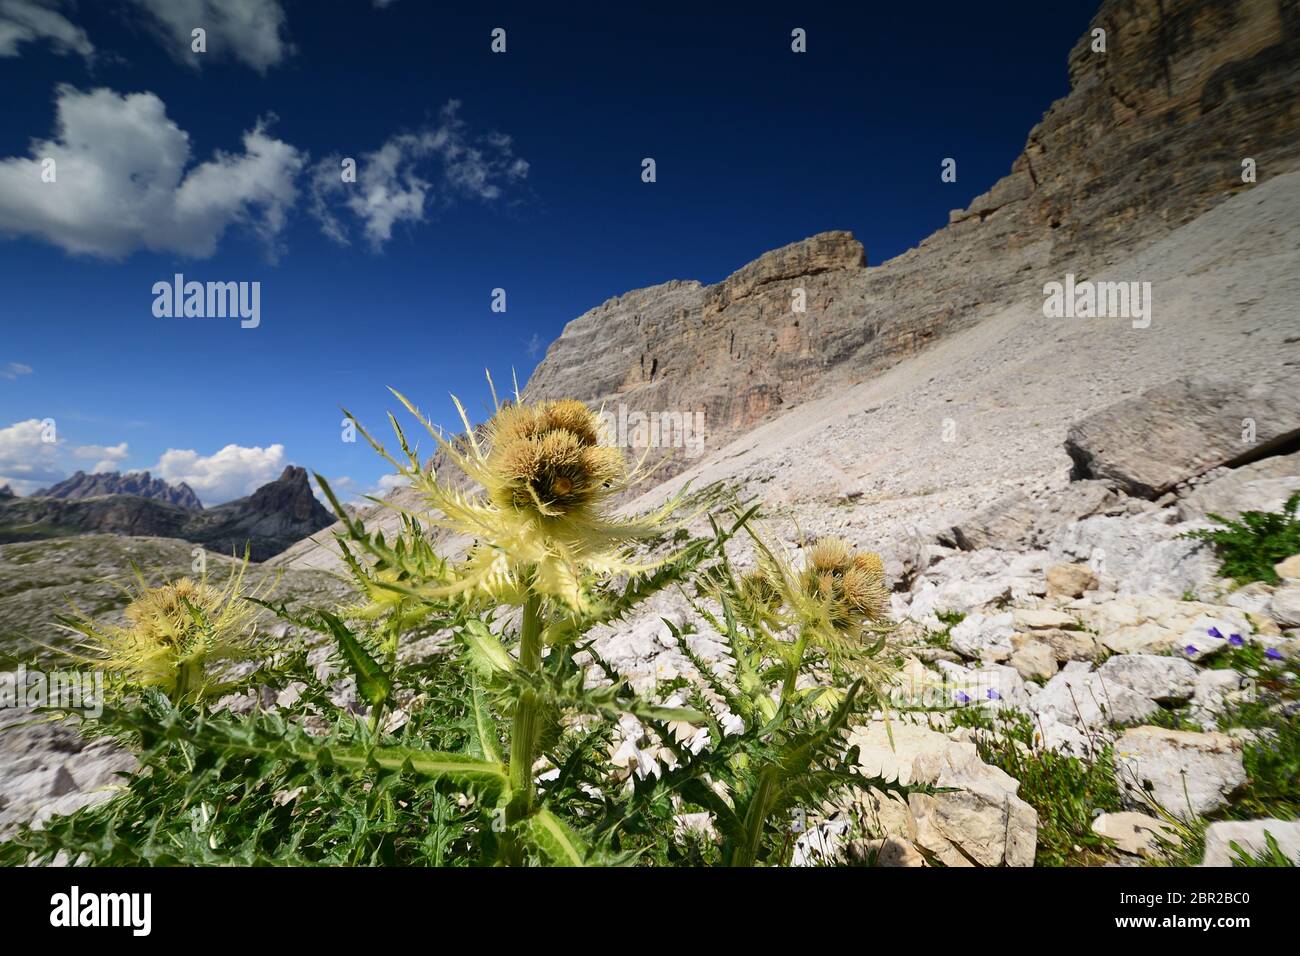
x=1150, y=444
x=139, y=483
x=269, y=520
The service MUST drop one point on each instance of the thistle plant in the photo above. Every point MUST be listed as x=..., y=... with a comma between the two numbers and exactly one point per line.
x=825, y=622
x=177, y=637
x=495, y=748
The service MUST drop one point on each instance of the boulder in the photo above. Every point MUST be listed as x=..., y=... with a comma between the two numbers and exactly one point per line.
x=1070, y=580
x=1259, y=486
x=1084, y=700
x=1164, y=679
x=1134, y=833
x=980, y=822
x=1253, y=598
x=1215, y=689
x=1249, y=836
x=892, y=851
x=1185, y=773
x=983, y=637
x=1152, y=624
x=1210, y=633
x=1043, y=619
x=1138, y=554
x=1150, y=443
x=1034, y=661
x=1289, y=570
x=1024, y=519
x=1065, y=645
x=1285, y=606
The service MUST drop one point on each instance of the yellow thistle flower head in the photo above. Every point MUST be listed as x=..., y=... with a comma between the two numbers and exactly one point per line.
x=849, y=585
x=174, y=633
x=548, y=457
x=838, y=600
x=542, y=523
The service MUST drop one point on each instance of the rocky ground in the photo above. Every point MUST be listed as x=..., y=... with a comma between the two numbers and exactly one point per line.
x=48, y=768
x=1078, y=601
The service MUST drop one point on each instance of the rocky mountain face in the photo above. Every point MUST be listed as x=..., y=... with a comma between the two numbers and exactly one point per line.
x=1153, y=132
x=272, y=518
x=141, y=484
x=1152, y=135
x=275, y=516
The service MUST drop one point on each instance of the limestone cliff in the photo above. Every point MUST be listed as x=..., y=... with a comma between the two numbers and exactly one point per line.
x=1152, y=133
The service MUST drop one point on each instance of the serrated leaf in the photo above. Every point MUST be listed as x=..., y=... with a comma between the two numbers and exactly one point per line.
x=373, y=683
x=556, y=841
x=486, y=649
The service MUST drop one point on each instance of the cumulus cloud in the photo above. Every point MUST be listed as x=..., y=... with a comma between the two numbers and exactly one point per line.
x=232, y=472
x=411, y=174
x=388, y=483
x=247, y=30
x=13, y=370
x=107, y=457
x=32, y=456
x=27, y=21
x=27, y=459
x=120, y=182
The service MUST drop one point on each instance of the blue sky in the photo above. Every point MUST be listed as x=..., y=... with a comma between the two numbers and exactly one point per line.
x=224, y=166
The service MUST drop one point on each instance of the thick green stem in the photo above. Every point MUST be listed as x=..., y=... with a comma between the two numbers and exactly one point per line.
x=792, y=673
x=524, y=733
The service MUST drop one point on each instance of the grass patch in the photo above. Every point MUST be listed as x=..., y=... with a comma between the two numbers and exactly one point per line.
x=943, y=638
x=1067, y=792
x=1249, y=546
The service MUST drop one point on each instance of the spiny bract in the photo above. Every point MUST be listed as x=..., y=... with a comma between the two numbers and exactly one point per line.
x=174, y=633
x=543, y=522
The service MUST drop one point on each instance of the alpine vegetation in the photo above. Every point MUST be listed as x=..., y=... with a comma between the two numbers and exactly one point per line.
x=497, y=746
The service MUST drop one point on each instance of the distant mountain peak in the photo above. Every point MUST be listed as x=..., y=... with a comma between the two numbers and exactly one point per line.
x=138, y=483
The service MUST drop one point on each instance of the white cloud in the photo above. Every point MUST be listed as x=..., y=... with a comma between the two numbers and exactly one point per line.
x=13, y=370
x=232, y=472
x=248, y=30
x=26, y=21
x=388, y=483
x=108, y=457
x=395, y=183
x=121, y=182
x=27, y=460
